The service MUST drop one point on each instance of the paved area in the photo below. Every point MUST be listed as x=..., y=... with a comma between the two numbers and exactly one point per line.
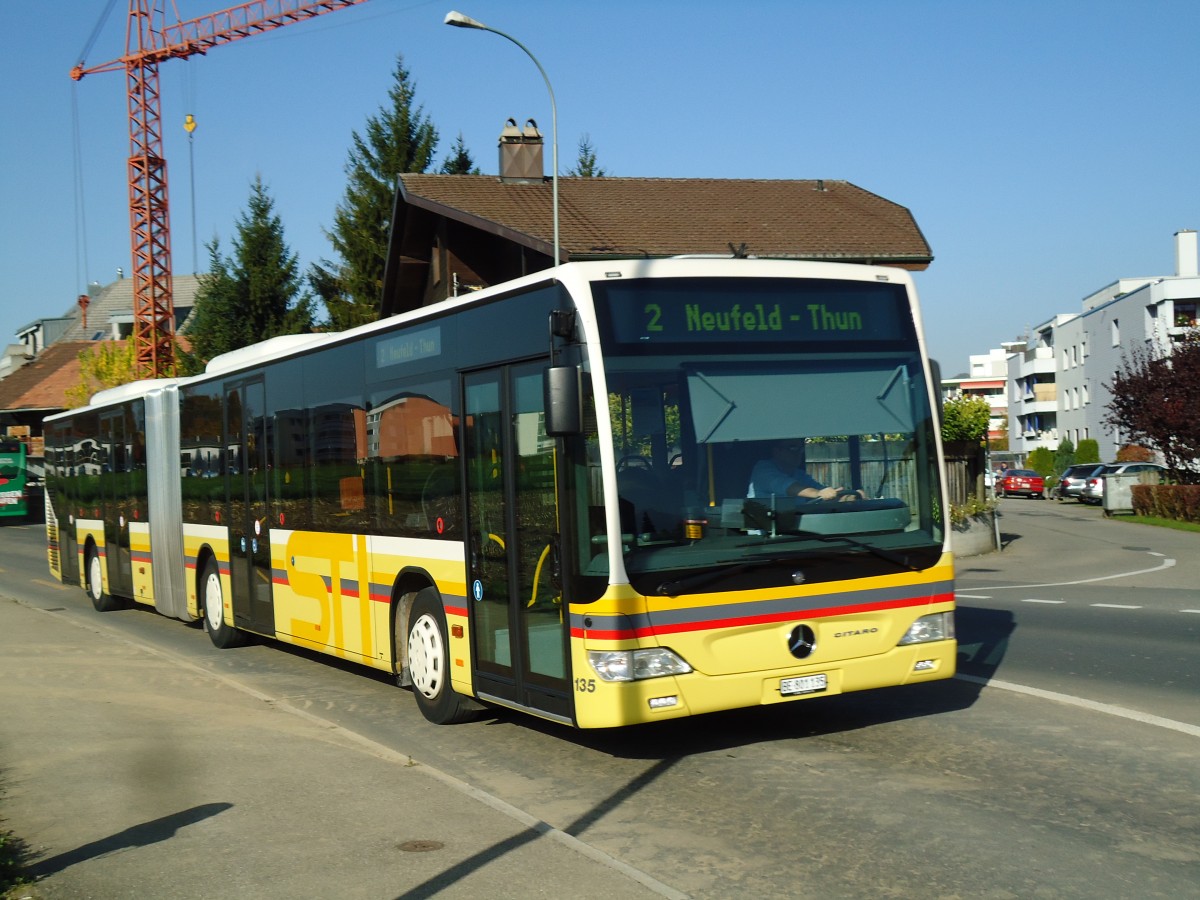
x=131, y=774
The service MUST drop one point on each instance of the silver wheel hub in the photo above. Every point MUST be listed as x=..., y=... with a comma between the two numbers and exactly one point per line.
x=213, y=613
x=425, y=654
x=95, y=585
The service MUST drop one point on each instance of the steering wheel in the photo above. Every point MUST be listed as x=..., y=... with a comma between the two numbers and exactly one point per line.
x=633, y=462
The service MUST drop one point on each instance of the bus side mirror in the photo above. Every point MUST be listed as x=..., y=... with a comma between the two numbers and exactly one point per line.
x=564, y=405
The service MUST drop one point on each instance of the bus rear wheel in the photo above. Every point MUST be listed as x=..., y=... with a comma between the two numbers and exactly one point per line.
x=429, y=663
x=102, y=601
x=212, y=597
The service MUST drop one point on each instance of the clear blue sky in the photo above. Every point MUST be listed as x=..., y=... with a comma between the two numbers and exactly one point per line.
x=1046, y=148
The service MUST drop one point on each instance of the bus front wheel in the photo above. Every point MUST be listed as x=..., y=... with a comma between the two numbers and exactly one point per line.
x=220, y=633
x=429, y=663
x=95, y=584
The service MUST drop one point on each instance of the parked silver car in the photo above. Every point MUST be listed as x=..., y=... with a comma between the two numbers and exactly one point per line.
x=1093, y=490
x=1073, y=478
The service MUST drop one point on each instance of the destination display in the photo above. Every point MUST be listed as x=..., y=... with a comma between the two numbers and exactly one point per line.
x=773, y=310
x=408, y=347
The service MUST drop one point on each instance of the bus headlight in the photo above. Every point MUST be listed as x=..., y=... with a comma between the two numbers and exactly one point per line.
x=933, y=627
x=636, y=665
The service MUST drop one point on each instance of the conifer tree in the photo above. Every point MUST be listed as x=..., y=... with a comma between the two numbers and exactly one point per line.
x=459, y=161
x=585, y=166
x=256, y=294
x=400, y=138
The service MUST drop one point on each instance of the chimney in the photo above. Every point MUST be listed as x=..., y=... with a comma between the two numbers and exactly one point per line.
x=520, y=153
x=1187, y=260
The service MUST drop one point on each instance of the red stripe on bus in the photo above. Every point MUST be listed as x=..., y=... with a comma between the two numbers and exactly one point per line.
x=709, y=624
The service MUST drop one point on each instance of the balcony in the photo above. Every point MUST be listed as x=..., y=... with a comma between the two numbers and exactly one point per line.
x=1038, y=361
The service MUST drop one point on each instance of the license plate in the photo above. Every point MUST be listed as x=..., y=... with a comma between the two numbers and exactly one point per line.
x=804, y=684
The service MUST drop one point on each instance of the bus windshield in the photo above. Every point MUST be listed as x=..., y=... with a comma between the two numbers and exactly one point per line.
x=818, y=389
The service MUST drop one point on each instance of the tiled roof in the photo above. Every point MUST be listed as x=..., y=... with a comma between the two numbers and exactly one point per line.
x=116, y=299
x=806, y=219
x=43, y=382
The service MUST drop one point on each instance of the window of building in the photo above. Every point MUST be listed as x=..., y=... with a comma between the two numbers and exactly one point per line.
x=1116, y=333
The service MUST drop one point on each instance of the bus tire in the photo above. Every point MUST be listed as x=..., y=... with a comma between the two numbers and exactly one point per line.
x=429, y=663
x=95, y=584
x=212, y=598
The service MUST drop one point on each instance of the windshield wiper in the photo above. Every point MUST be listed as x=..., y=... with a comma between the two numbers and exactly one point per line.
x=691, y=582
x=887, y=555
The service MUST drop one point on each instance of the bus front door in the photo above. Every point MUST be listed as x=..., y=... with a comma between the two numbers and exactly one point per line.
x=247, y=455
x=514, y=595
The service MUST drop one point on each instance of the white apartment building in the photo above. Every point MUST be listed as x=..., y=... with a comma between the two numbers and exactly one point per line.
x=1058, y=380
x=1033, y=393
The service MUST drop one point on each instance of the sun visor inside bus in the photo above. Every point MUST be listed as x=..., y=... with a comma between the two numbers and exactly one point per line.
x=757, y=407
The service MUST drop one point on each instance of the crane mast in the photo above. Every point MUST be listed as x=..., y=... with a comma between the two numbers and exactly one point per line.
x=149, y=40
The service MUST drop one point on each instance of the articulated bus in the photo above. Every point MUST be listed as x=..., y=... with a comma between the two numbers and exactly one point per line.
x=539, y=496
x=14, y=490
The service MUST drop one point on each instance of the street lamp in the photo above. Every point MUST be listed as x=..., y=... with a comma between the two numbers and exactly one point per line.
x=458, y=20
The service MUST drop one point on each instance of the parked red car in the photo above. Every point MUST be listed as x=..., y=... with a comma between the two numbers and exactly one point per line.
x=1023, y=483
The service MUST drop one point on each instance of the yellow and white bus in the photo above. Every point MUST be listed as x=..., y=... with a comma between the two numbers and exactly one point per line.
x=538, y=496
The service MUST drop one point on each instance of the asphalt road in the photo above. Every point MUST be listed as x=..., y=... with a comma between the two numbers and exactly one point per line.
x=1050, y=770
x=1088, y=606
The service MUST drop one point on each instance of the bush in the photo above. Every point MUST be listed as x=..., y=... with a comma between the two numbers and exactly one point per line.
x=1088, y=451
x=1134, y=453
x=1041, y=460
x=1064, y=457
x=1178, y=502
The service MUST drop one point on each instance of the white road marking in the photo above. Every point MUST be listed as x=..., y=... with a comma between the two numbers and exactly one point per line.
x=971, y=596
x=1032, y=600
x=1106, y=708
x=1114, y=606
x=1166, y=564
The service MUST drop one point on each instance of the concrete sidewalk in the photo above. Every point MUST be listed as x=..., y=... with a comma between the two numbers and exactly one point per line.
x=129, y=774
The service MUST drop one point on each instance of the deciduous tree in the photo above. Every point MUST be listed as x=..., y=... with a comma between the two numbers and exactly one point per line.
x=104, y=365
x=1154, y=404
x=965, y=418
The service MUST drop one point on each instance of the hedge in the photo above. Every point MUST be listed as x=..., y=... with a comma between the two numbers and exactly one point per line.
x=1167, y=501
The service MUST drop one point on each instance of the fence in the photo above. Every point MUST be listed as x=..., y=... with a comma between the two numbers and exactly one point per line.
x=965, y=464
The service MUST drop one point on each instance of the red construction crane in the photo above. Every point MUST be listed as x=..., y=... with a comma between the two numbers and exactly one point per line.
x=150, y=40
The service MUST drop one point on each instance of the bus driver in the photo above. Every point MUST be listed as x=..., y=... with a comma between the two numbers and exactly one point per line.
x=783, y=475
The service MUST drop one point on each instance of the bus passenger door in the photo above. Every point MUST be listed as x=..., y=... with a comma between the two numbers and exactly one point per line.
x=247, y=457
x=513, y=594
x=117, y=509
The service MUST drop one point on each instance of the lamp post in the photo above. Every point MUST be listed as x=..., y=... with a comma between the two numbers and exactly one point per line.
x=458, y=20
